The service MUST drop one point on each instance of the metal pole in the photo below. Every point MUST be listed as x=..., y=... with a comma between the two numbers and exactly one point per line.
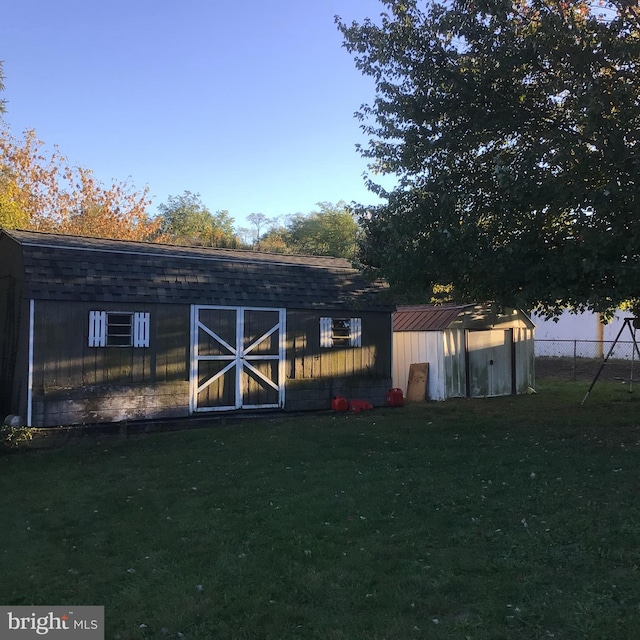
x=633, y=357
x=586, y=395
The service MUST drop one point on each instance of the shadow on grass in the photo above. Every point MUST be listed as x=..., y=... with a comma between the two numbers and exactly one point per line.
x=511, y=518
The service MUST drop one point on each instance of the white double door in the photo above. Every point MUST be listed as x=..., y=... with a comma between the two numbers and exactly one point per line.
x=237, y=358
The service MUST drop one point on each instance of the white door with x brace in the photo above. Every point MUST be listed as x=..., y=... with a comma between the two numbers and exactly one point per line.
x=237, y=358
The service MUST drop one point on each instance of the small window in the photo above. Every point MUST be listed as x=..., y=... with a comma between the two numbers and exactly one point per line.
x=118, y=329
x=340, y=332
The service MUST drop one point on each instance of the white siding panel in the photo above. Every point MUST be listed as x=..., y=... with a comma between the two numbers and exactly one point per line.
x=411, y=347
x=406, y=350
x=454, y=379
x=525, y=359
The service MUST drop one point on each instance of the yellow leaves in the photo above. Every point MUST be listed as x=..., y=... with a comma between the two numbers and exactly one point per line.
x=40, y=190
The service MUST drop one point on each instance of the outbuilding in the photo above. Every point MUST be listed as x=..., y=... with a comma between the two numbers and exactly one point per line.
x=472, y=350
x=95, y=330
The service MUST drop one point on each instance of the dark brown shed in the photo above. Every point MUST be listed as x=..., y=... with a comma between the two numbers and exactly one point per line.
x=98, y=330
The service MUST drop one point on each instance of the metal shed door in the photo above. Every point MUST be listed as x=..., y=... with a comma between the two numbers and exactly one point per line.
x=237, y=358
x=490, y=362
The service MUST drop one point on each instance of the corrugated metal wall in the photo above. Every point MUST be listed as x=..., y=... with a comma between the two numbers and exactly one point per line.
x=525, y=358
x=443, y=350
x=490, y=356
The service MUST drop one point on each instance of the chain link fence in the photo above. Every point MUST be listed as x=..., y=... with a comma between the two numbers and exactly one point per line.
x=581, y=359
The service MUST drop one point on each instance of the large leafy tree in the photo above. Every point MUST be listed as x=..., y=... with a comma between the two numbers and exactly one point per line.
x=513, y=129
x=187, y=220
x=329, y=231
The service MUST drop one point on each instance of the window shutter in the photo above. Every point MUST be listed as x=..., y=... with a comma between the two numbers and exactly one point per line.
x=97, y=328
x=140, y=329
x=326, y=332
x=355, y=335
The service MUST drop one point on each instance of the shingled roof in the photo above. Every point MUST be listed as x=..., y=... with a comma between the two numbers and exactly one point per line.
x=59, y=267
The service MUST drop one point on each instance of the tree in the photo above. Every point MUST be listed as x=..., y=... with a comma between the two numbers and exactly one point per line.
x=2, y=102
x=513, y=128
x=259, y=221
x=331, y=231
x=11, y=216
x=246, y=236
x=185, y=219
x=43, y=192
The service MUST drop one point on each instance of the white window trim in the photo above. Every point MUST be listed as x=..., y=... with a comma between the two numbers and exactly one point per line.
x=326, y=332
x=98, y=324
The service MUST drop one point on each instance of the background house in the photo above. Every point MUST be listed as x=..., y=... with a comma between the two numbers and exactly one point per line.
x=583, y=335
x=472, y=350
x=95, y=330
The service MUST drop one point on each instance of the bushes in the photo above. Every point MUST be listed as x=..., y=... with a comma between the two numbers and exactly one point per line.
x=13, y=433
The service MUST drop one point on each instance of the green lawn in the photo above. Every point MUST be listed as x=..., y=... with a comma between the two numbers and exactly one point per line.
x=485, y=519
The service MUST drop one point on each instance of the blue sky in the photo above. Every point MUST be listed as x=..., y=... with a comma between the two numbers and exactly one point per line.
x=250, y=104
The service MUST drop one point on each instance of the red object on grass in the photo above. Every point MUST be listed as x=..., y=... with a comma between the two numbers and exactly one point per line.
x=394, y=398
x=359, y=405
x=339, y=403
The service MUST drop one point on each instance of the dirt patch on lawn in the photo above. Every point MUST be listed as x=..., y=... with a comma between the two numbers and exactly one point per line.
x=585, y=369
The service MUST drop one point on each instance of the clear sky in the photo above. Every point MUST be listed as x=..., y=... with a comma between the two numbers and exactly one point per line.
x=248, y=103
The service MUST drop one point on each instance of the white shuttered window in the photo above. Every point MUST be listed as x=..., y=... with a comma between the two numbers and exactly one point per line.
x=118, y=329
x=340, y=332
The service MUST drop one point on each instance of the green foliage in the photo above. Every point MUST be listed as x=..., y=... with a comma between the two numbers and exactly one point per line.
x=514, y=131
x=331, y=231
x=186, y=220
x=13, y=437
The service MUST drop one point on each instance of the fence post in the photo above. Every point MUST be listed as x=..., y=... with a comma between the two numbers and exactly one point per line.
x=575, y=355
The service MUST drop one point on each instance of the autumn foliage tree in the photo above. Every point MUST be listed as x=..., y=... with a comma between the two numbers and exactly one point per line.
x=42, y=191
x=513, y=130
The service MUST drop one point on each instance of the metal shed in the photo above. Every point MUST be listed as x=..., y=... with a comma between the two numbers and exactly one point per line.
x=95, y=330
x=472, y=350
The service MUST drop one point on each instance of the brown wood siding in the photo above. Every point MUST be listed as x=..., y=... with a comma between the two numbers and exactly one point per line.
x=315, y=374
x=307, y=360
x=14, y=331
x=74, y=383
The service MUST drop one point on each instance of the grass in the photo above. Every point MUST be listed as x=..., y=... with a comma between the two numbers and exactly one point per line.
x=505, y=518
